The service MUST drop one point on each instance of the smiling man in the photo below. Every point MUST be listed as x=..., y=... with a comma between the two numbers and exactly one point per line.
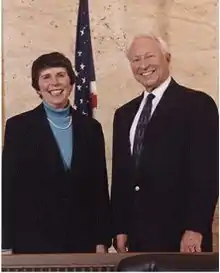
x=54, y=181
x=165, y=160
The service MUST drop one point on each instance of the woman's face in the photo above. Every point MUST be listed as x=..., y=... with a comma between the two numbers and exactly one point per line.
x=55, y=87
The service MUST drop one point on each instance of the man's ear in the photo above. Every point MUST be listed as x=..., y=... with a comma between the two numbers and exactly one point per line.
x=168, y=57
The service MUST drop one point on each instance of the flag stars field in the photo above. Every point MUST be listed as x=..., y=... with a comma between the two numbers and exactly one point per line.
x=82, y=66
x=79, y=87
x=85, y=88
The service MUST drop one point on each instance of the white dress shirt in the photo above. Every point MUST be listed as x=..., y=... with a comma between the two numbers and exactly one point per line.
x=158, y=93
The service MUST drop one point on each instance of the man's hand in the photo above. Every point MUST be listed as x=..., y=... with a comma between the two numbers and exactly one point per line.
x=121, y=242
x=100, y=249
x=191, y=242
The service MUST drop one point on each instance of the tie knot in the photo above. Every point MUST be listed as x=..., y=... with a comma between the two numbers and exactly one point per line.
x=150, y=97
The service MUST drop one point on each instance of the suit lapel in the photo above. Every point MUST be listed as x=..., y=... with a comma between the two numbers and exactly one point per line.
x=161, y=118
x=132, y=111
x=77, y=140
x=47, y=144
x=164, y=108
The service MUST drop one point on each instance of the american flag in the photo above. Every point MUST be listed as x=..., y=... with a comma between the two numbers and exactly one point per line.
x=85, y=88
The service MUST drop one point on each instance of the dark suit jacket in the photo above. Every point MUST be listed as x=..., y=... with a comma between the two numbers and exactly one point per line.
x=45, y=208
x=177, y=174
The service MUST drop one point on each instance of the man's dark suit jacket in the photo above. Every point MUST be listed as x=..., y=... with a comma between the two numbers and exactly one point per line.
x=177, y=174
x=45, y=208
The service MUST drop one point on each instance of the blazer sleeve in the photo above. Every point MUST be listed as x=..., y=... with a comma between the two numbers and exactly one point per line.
x=9, y=164
x=119, y=202
x=203, y=164
x=103, y=234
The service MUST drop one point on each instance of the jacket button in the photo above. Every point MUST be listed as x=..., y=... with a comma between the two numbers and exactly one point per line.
x=137, y=188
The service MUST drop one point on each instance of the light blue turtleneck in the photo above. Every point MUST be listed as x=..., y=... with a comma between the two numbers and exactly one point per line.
x=64, y=137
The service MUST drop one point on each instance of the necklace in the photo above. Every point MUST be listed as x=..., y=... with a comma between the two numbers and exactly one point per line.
x=58, y=127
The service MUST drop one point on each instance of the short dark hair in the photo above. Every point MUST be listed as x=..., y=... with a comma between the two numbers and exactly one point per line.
x=53, y=59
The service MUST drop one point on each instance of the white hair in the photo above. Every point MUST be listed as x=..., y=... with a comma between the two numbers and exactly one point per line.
x=163, y=45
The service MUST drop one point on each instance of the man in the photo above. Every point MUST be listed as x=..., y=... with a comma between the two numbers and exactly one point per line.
x=165, y=160
x=54, y=181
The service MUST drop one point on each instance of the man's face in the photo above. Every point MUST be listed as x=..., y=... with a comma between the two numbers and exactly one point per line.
x=149, y=64
x=55, y=87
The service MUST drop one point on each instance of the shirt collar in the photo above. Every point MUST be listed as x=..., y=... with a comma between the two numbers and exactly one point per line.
x=158, y=91
x=61, y=112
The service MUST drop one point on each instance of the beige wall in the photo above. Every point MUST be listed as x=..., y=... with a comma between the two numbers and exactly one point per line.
x=34, y=27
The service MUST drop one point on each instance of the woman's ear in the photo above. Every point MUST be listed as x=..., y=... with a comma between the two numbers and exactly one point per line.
x=39, y=94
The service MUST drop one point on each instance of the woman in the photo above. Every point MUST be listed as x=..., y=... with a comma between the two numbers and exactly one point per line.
x=55, y=192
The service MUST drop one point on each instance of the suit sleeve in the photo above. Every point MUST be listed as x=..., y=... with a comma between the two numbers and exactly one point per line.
x=119, y=203
x=203, y=164
x=103, y=234
x=8, y=178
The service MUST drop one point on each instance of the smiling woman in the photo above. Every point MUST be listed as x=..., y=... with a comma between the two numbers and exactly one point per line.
x=55, y=191
x=53, y=78
x=55, y=86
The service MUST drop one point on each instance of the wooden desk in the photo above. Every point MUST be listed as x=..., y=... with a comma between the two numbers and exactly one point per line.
x=70, y=262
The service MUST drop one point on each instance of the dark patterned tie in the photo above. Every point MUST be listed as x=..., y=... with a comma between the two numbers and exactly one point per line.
x=140, y=129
